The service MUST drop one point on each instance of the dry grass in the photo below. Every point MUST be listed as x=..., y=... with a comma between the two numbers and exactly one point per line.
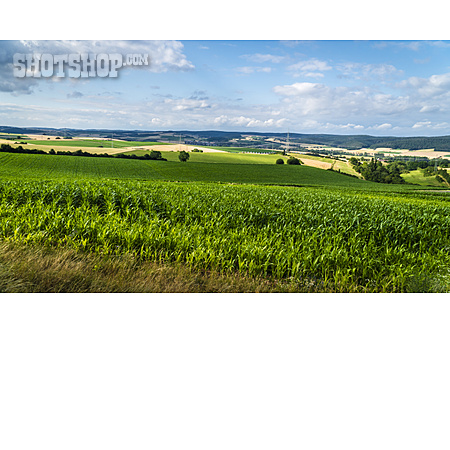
x=27, y=269
x=37, y=269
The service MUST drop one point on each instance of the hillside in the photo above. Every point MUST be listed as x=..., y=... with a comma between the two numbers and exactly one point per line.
x=239, y=139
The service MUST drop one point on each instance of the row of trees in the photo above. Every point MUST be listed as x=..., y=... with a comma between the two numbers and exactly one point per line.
x=391, y=172
x=291, y=161
x=20, y=149
x=439, y=173
x=438, y=143
x=153, y=155
x=375, y=171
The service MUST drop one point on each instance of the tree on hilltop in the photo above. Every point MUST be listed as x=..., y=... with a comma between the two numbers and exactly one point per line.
x=183, y=156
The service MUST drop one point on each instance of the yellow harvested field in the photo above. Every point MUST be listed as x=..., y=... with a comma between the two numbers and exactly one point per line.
x=315, y=163
x=173, y=148
x=427, y=152
x=108, y=150
x=65, y=148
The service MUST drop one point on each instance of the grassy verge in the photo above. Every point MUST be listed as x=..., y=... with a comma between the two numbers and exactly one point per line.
x=418, y=177
x=37, y=269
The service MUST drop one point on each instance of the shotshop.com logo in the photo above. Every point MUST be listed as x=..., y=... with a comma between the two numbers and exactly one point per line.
x=74, y=65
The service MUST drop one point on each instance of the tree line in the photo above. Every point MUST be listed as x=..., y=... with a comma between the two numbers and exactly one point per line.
x=153, y=155
x=376, y=171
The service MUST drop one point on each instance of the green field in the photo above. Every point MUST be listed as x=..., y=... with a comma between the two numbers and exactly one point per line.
x=204, y=167
x=326, y=232
x=78, y=167
x=417, y=177
x=216, y=157
x=339, y=240
x=242, y=149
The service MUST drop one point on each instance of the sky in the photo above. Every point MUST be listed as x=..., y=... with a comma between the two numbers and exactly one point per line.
x=381, y=88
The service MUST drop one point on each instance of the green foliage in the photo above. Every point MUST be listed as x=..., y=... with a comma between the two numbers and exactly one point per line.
x=444, y=175
x=352, y=241
x=429, y=171
x=375, y=171
x=183, y=156
x=279, y=161
x=439, y=143
x=354, y=162
x=414, y=165
x=155, y=155
x=293, y=161
x=7, y=148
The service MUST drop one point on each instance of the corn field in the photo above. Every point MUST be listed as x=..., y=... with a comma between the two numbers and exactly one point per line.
x=352, y=241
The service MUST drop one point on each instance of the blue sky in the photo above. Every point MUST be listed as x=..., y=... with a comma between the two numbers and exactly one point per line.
x=399, y=88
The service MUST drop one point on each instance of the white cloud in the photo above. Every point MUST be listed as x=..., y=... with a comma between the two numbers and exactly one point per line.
x=440, y=44
x=430, y=125
x=246, y=70
x=435, y=85
x=303, y=89
x=415, y=45
x=411, y=45
x=163, y=56
x=261, y=58
x=188, y=104
x=422, y=124
x=319, y=99
x=314, y=126
x=242, y=121
x=366, y=71
x=383, y=126
x=429, y=108
x=309, y=68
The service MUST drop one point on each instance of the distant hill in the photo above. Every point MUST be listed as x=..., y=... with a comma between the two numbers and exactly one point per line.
x=439, y=143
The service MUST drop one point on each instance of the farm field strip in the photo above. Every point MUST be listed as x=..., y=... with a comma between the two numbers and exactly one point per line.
x=215, y=157
x=73, y=167
x=15, y=165
x=97, y=143
x=87, y=145
x=377, y=242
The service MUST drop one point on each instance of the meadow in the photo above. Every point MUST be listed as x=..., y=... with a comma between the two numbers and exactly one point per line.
x=418, y=177
x=76, y=167
x=217, y=157
x=316, y=230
